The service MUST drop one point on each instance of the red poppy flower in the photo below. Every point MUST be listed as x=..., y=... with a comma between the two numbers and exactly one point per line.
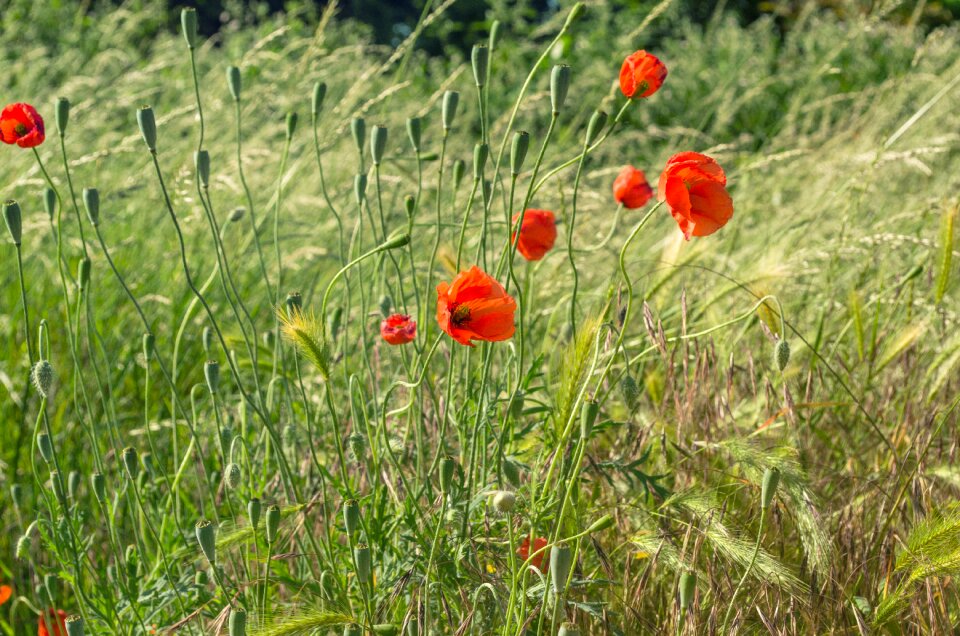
x=5, y=593
x=537, y=233
x=538, y=560
x=641, y=75
x=398, y=329
x=55, y=620
x=694, y=186
x=21, y=124
x=631, y=188
x=475, y=307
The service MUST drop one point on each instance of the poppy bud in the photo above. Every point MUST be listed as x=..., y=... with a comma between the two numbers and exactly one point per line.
x=50, y=202
x=601, y=524
x=504, y=501
x=45, y=446
x=98, y=484
x=414, y=130
x=378, y=144
x=630, y=392
x=234, y=82
x=559, y=85
x=481, y=59
x=236, y=215
x=335, y=318
x=398, y=241
x=409, y=205
x=494, y=35
x=91, y=203
x=188, y=20
x=62, y=114
x=129, y=457
x=771, y=479
x=459, y=169
x=574, y=15
x=316, y=103
x=386, y=303
x=597, y=121
x=294, y=303
x=291, y=125
x=357, y=445
x=83, y=273
x=237, y=624
x=211, y=371
x=148, y=127
x=588, y=416
x=688, y=587
x=518, y=151
x=207, y=538
x=511, y=470
x=568, y=629
x=480, y=153
x=201, y=160
x=232, y=476
x=57, y=486
x=360, y=187
x=361, y=554
x=351, y=516
x=516, y=404
x=561, y=558
x=352, y=630
x=447, y=468
x=73, y=484
x=253, y=511
x=487, y=189
x=358, y=127
x=782, y=353
x=74, y=625
x=43, y=377
x=448, y=111
x=12, y=217
x=273, y=523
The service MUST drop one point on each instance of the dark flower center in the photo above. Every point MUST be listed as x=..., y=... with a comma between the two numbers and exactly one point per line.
x=459, y=314
x=20, y=129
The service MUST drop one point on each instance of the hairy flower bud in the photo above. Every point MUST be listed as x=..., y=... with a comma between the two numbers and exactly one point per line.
x=253, y=511
x=98, y=484
x=588, y=416
x=291, y=125
x=232, y=476
x=130, y=461
x=771, y=479
x=148, y=127
x=13, y=218
x=447, y=468
x=504, y=501
x=201, y=160
x=45, y=446
x=781, y=354
x=74, y=625
x=597, y=121
x=351, y=516
x=50, y=202
x=480, y=154
x=91, y=203
x=358, y=128
x=43, y=377
x=459, y=169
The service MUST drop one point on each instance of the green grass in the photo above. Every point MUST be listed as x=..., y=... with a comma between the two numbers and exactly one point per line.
x=840, y=142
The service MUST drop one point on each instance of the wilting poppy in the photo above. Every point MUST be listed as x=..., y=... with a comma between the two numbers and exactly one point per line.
x=55, y=621
x=694, y=186
x=21, y=124
x=538, y=560
x=641, y=75
x=475, y=307
x=537, y=233
x=631, y=188
x=5, y=593
x=398, y=329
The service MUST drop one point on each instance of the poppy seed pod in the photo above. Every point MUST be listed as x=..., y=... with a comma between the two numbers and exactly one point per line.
x=50, y=202
x=74, y=625
x=62, y=114
x=237, y=623
x=207, y=538
x=781, y=354
x=148, y=127
x=504, y=501
x=480, y=56
x=568, y=629
x=232, y=475
x=98, y=484
x=211, y=371
x=358, y=128
x=361, y=554
x=398, y=241
x=149, y=345
x=771, y=479
x=559, y=85
x=360, y=187
x=188, y=20
x=459, y=169
x=91, y=203
x=597, y=122
x=45, y=446
x=13, y=218
x=272, y=523
x=378, y=144
x=414, y=131
x=447, y=467
x=688, y=587
x=448, y=111
x=351, y=516
x=561, y=559
x=253, y=511
x=518, y=151
x=129, y=457
x=480, y=153
x=316, y=102
x=43, y=377
x=588, y=417
x=201, y=160
x=234, y=82
x=83, y=273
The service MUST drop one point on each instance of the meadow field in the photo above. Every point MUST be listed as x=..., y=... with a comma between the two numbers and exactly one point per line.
x=305, y=334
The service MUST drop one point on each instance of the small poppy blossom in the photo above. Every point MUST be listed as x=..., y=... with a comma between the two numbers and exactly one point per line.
x=538, y=560
x=5, y=593
x=474, y=306
x=537, y=233
x=21, y=124
x=694, y=186
x=53, y=623
x=631, y=188
x=641, y=75
x=398, y=329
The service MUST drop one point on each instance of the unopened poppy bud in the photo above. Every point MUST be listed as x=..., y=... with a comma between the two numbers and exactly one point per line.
x=211, y=371
x=74, y=625
x=236, y=215
x=57, y=485
x=480, y=153
x=459, y=169
x=409, y=205
x=511, y=470
x=291, y=125
x=98, y=484
x=12, y=217
x=630, y=392
x=782, y=353
x=316, y=102
x=414, y=131
x=358, y=128
x=574, y=15
x=448, y=111
x=62, y=114
x=504, y=501
x=233, y=82
x=351, y=516
x=43, y=377
x=232, y=475
x=294, y=303
x=253, y=511
x=516, y=404
x=91, y=203
x=688, y=587
x=771, y=479
x=129, y=457
x=487, y=191
x=561, y=559
x=398, y=241
x=518, y=151
x=237, y=623
x=148, y=127
x=352, y=630
x=588, y=417
x=360, y=187
x=201, y=160
x=559, y=85
x=188, y=20
x=83, y=273
x=50, y=202
x=597, y=122
x=378, y=144
x=73, y=484
x=272, y=523
x=447, y=467
x=45, y=446
x=207, y=339
x=386, y=304
x=357, y=446
x=336, y=316
x=601, y=524
x=480, y=56
x=361, y=555
x=568, y=629
x=207, y=538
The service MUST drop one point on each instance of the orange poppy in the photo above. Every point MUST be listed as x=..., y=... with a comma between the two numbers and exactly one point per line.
x=537, y=233
x=398, y=329
x=5, y=593
x=694, y=186
x=21, y=124
x=55, y=620
x=537, y=561
x=631, y=188
x=475, y=307
x=641, y=75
